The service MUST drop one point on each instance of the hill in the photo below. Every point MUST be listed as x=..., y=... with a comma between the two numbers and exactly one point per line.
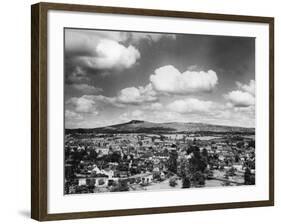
x=138, y=126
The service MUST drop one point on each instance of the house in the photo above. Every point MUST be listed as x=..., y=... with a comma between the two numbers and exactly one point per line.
x=142, y=178
x=82, y=181
x=101, y=181
x=238, y=167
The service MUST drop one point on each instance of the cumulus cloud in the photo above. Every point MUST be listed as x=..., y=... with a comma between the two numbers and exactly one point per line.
x=125, y=97
x=84, y=42
x=97, y=52
x=154, y=106
x=190, y=105
x=83, y=104
x=109, y=55
x=92, y=103
x=243, y=97
x=239, y=98
x=104, y=100
x=168, y=79
x=133, y=95
x=87, y=89
x=250, y=88
x=71, y=115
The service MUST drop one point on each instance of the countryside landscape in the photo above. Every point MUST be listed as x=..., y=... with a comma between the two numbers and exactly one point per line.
x=140, y=156
x=150, y=111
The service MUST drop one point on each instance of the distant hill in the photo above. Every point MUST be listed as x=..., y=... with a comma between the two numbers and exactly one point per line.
x=138, y=126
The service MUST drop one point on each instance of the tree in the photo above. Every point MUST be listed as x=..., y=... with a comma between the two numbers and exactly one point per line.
x=198, y=179
x=172, y=182
x=204, y=152
x=231, y=171
x=91, y=184
x=197, y=163
x=252, y=143
x=115, y=157
x=162, y=137
x=205, y=155
x=93, y=154
x=186, y=182
x=125, y=157
x=237, y=158
x=249, y=178
x=240, y=144
x=123, y=166
x=193, y=149
x=193, y=170
x=77, y=156
x=121, y=186
x=184, y=167
x=69, y=171
x=172, y=162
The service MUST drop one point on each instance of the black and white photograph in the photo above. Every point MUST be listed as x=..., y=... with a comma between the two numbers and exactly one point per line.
x=157, y=111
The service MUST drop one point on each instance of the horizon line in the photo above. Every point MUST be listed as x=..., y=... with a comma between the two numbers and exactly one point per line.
x=162, y=123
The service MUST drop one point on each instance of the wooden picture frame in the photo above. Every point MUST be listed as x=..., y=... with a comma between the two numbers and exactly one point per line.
x=39, y=111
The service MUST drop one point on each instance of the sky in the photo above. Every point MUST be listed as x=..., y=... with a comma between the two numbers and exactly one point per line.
x=113, y=77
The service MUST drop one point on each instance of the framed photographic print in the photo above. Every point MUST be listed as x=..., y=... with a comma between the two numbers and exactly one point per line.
x=138, y=111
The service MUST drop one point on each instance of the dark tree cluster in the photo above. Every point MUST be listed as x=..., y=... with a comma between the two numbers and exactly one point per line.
x=193, y=171
x=172, y=162
x=249, y=178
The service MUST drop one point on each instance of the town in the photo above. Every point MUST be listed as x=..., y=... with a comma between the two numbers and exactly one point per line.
x=137, y=161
